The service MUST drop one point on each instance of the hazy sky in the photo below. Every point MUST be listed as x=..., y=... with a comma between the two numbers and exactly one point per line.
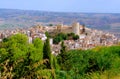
x=97, y=6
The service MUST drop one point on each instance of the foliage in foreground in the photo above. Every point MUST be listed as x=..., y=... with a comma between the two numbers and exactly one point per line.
x=97, y=63
x=22, y=60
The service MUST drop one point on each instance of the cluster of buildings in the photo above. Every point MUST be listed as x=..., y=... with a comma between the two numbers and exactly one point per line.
x=32, y=33
x=88, y=38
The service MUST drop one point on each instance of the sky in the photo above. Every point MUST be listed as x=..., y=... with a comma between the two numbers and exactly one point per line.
x=89, y=6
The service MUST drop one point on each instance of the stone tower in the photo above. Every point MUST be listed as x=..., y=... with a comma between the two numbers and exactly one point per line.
x=76, y=28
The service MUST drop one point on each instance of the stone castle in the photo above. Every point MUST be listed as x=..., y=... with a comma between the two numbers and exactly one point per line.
x=74, y=28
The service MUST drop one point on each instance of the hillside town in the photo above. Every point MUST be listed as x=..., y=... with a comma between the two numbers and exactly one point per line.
x=88, y=38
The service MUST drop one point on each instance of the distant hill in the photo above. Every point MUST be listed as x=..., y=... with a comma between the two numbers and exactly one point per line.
x=12, y=18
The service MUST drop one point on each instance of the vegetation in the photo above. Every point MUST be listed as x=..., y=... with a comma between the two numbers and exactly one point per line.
x=19, y=59
x=62, y=57
x=98, y=63
x=47, y=34
x=62, y=36
x=22, y=60
x=47, y=53
x=50, y=25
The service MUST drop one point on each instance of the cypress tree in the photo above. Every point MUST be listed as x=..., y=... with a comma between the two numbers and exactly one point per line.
x=47, y=53
x=46, y=50
x=63, y=52
x=62, y=57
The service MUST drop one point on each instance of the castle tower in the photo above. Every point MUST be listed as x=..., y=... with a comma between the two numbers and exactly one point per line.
x=76, y=28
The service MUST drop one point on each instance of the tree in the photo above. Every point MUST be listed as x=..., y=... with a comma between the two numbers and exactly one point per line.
x=47, y=53
x=18, y=57
x=75, y=37
x=21, y=60
x=50, y=25
x=62, y=57
x=13, y=53
x=57, y=39
x=38, y=44
x=47, y=34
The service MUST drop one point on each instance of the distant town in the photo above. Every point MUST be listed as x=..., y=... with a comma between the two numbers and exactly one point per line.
x=88, y=38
